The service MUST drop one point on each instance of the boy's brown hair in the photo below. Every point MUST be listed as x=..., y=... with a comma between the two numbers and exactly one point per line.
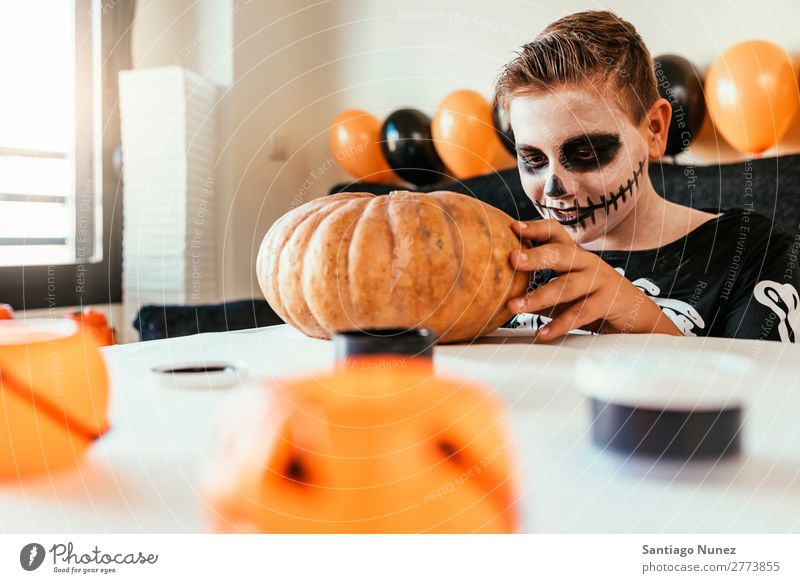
x=596, y=47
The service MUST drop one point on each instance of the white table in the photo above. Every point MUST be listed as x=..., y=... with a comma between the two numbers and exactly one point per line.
x=141, y=477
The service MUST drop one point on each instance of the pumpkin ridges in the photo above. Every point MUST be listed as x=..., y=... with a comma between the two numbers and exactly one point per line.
x=344, y=286
x=450, y=212
x=273, y=245
x=495, y=227
x=414, y=292
x=421, y=262
x=446, y=273
x=505, y=279
x=435, y=289
x=420, y=299
x=474, y=258
x=401, y=293
x=411, y=257
x=479, y=301
x=514, y=283
x=327, y=293
x=345, y=271
x=371, y=280
x=511, y=283
x=289, y=273
x=293, y=259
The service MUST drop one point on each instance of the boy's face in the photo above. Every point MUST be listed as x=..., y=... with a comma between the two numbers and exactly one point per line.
x=581, y=159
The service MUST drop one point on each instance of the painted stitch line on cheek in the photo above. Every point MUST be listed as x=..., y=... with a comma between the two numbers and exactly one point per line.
x=587, y=211
x=591, y=205
x=623, y=190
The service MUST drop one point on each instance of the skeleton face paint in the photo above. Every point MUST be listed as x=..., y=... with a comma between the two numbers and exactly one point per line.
x=580, y=157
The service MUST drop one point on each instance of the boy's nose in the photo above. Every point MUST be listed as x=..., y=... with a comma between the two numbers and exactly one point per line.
x=554, y=188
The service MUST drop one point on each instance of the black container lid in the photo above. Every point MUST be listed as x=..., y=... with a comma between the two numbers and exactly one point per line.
x=677, y=435
x=415, y=342
x=674, y=404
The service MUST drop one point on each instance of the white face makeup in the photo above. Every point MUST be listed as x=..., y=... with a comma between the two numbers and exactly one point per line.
x=581, y=159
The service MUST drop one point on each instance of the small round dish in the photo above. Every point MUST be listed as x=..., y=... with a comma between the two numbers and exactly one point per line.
x=200, y=375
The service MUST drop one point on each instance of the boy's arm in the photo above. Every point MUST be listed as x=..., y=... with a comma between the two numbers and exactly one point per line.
x=765, y=304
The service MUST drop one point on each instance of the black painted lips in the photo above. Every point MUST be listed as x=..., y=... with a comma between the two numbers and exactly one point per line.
x=578, y=218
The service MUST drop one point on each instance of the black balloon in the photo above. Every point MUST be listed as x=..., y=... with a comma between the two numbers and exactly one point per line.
x=502, y=126
x=408, y=147
x=681, y=85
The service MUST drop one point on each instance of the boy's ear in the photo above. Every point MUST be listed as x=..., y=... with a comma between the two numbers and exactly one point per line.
x=657, y=128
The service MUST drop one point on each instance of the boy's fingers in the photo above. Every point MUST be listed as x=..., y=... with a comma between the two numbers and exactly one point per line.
x=562, y=258
x=575, y=316
x=561, y=290
x=544, y=230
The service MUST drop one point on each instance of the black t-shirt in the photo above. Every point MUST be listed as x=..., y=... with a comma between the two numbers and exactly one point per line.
x=735, y=276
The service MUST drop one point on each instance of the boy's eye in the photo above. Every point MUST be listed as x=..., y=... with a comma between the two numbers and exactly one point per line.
x=590, y=152
x=534, y=161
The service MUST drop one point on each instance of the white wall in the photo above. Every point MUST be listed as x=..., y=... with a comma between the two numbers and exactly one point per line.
x=272, y=89
x=197, y=34
x=291, y=66
x=414, y=52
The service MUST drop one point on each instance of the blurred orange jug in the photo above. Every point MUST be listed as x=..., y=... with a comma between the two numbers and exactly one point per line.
x=6, y=312
x=369, y=448
x=96, y=321
x=54, y=395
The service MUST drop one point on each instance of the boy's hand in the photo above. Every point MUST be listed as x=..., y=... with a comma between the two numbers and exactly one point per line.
x=588, y=293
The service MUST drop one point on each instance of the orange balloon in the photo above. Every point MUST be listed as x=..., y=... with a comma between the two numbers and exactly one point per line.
x=53, y=395
x=354, y=141
x=373, y=447
x=464, y=135
x=752, y=95
x=502, y=159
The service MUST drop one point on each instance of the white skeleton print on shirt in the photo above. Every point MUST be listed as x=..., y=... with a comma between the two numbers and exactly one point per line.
x=682, y=314
x=783, y=300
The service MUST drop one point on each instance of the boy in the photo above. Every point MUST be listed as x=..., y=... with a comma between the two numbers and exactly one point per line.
x=612, y=254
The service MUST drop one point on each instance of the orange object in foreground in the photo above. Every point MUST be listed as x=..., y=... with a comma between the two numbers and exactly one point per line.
x=366, y=449
x=97, y=323
x=6, y=312
x=53, y=395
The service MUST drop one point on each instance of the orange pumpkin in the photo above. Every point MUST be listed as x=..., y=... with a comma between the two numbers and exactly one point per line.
x=372, y=448
x=435, y=260
x=53, y=395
